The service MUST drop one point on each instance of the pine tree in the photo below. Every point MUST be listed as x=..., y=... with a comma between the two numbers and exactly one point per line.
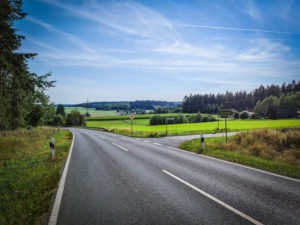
x=18, y=87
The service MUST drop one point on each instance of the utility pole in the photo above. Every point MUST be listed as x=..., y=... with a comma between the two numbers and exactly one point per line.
x=87, y=107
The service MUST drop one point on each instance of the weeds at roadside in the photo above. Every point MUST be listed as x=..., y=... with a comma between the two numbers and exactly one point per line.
x=273, y=150
x=28, y=176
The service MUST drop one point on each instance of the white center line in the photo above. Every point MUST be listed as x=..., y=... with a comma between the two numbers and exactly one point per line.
x=101, y=137
x=145, y=141
x=157, y=144
x=215, y=199
x=120, y=147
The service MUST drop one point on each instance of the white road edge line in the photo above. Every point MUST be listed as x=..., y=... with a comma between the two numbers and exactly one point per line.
x=251, y=168
x=182, y=150
x=59, y=194
x=120, y=147
x=215, y=199
x=240, y=165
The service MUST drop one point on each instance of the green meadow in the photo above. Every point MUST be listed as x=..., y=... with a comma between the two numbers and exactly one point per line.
x=141, y=127
x=92, y=111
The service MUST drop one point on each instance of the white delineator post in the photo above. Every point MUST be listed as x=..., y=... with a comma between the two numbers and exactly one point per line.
x=202, y=142
x=52, y=147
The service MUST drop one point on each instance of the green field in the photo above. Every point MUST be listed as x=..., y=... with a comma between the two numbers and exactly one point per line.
x=142, y=126
x=92, y=111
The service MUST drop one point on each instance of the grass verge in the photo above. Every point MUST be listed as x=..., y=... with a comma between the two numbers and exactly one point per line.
x=28, y=176
x=276, y=151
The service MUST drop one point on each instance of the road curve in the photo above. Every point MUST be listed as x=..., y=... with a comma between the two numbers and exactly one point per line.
x=114, y=179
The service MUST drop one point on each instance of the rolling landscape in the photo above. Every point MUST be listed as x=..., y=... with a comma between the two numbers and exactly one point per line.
x=161, y=112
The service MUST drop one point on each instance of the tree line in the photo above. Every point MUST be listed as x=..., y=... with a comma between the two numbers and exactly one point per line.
x=22, y=98
x=130, y=105
x=181, y=118
x=291, y=99
x=240, y=101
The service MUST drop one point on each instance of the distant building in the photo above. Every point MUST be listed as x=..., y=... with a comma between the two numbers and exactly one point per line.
x=250, y=113
x=282, y=112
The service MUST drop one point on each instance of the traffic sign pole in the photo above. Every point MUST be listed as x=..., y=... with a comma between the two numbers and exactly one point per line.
x=226, y=113
x=131, y=118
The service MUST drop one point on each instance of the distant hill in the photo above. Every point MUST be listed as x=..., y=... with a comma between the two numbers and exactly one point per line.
x=138, y=104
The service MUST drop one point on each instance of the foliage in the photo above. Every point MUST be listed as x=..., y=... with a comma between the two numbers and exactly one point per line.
x=75, y=118
x=28, y=176
x=20, y=90
x=292, y=99
x=195, y=118
x=60, y=110
x=244, y=115
x=58, y=120
x=157, y=120
x=211, y=103
x=162, y=110
x=236, y=115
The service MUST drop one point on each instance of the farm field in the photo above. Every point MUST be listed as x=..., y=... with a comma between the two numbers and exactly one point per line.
x=142, y=126
x=92, y=111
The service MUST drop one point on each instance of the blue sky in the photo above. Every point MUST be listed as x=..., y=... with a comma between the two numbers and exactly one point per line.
x=160, y=50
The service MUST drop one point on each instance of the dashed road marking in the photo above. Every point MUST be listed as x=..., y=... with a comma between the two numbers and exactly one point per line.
x=120, y=147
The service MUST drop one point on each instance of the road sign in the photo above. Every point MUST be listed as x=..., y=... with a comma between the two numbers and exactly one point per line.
x=131, y=117
x=225, y=112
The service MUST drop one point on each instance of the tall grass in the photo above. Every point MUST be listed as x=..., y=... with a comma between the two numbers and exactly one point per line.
x=28, y=176
x=283, y=145
x=273, y=150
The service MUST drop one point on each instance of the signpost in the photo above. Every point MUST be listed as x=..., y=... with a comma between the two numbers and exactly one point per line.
x=225, y=113
x=131, y=118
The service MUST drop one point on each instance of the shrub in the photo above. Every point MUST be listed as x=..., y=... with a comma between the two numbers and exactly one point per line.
x=244, y=115
x=75, y=118
x=236, y=115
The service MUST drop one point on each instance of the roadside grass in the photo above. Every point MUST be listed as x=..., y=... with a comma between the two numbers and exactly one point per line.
x=28, y=176
x=276, y=151
x=141, y=127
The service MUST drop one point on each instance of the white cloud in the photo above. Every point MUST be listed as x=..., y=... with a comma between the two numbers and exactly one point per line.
x=263, y=50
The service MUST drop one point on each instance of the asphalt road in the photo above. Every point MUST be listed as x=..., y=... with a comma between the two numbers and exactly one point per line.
x=112, y=179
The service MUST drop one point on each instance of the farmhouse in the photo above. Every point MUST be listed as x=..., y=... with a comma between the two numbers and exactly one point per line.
x=282, y=112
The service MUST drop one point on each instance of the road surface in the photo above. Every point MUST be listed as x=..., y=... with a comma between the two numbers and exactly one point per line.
x=112, y=179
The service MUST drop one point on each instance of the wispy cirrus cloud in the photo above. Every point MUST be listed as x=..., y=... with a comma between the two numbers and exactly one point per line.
x=127, y=17
x=231, y=28
x=68, y=37
x=263, y=50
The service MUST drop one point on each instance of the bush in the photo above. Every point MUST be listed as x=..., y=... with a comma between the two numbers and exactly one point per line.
x=58, y=120
x=244, y=115
x=75, y=118
x=255, y=116
x=236, y=115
